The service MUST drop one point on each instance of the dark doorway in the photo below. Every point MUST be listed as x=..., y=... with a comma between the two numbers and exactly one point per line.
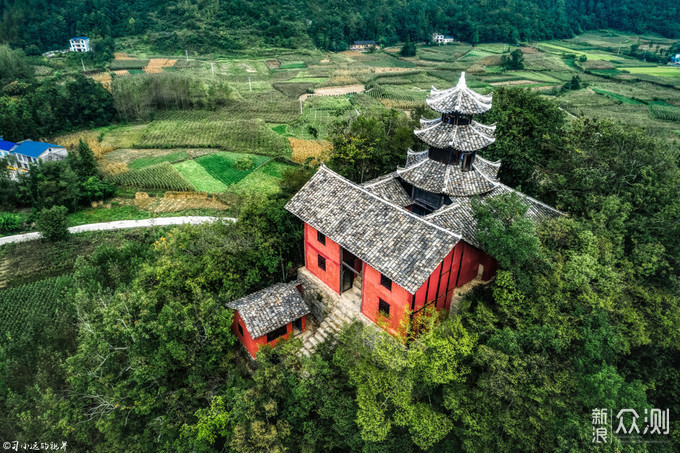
x=297, y=326
x=351, y=269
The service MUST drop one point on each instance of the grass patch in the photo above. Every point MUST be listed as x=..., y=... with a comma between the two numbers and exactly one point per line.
x=657, y=71
x=199, y=177
x=293, y=65
x=99, y=215
x=280, y=129
x=223, y=166
x=147, y=161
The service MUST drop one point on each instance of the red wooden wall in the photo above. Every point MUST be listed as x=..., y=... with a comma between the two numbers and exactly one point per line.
x=331, y=251
x=252, y=345
x=459, y=267
x=398, y=298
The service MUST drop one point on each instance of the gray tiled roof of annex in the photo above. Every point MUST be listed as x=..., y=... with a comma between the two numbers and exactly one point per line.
x=397, y=243
x=273, y=307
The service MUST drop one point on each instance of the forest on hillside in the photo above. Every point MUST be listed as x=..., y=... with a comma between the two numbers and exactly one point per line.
x=132, y=349
x=230, y=25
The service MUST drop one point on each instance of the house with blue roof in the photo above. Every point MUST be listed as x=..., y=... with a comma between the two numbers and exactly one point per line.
x=676, y=59
x=79, y=44
x=5, y=147
x=27, y=152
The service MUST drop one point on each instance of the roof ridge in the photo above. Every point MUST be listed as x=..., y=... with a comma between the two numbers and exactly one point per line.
x=405, y=211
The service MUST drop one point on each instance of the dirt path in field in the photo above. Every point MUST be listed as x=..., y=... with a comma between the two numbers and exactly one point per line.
x=121, y=224
x=335, y=91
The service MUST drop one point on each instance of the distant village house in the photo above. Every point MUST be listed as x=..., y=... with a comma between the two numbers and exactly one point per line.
x=441, y=39
x=363, y=46
x=27, y=152
x=676, y=59
x=79, y=44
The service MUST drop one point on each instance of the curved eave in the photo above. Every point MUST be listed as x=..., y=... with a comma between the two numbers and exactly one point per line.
x=470, y=137
x=438, y=178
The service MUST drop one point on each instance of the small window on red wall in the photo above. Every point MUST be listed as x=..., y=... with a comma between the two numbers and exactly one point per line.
x=321, y=237
x=240, y=329
x=386, y=282
x=384, y=308
x=322, y=263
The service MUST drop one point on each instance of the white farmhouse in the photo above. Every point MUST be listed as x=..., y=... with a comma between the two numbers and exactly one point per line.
x=441, y=39
x=79, y=44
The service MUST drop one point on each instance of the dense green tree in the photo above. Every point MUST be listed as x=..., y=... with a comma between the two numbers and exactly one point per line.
x=52, y=223
x=513, y=61
x=409, y=48
x=370, y=146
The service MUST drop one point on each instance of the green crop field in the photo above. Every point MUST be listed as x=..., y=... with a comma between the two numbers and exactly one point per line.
x=618, y=97
x=226, y=167
x=199, y=177
x=658, y=71
x=159, y=176
x=238, y=136
x=20, y=305
x=148, y=161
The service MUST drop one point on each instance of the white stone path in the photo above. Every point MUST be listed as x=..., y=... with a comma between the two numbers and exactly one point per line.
x=122, y=224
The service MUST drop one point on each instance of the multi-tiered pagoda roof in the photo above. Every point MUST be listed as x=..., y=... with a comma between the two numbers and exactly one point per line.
x=403, y=223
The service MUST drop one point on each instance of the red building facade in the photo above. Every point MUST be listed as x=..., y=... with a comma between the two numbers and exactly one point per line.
x=251, y=344
x=268, y=316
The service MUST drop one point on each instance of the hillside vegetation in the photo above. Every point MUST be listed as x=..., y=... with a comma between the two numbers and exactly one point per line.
x=206, y=25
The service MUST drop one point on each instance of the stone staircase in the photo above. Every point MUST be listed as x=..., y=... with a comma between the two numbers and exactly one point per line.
x=346, y=311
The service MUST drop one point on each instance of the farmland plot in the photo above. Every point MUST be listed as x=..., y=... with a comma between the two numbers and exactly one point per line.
x=21, y=304
x=230, y=168
x=159, y=176
x=241, y=135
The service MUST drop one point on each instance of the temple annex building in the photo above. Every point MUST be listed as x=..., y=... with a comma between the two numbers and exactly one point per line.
x=393, y=246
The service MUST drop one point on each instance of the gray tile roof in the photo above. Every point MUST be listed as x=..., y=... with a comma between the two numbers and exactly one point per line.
x=389, y=188
x=459, y=216
x=399, y=244
x=270, y=308
x=490, y=169
x=413, y=157
x=459, y=99
x=440, y=178
x=467, y=137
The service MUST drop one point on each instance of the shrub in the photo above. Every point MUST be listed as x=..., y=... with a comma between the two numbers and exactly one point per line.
x=52, y=223
x=9, y=222
x=244, y=163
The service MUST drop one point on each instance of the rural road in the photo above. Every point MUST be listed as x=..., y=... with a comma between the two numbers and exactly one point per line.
x=119, y=225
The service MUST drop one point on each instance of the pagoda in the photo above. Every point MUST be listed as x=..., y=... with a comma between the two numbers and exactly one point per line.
x=450, y=167
x=389, y=248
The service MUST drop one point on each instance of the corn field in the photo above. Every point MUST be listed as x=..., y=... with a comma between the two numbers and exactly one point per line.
x=160, y=176
x=666, y=113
